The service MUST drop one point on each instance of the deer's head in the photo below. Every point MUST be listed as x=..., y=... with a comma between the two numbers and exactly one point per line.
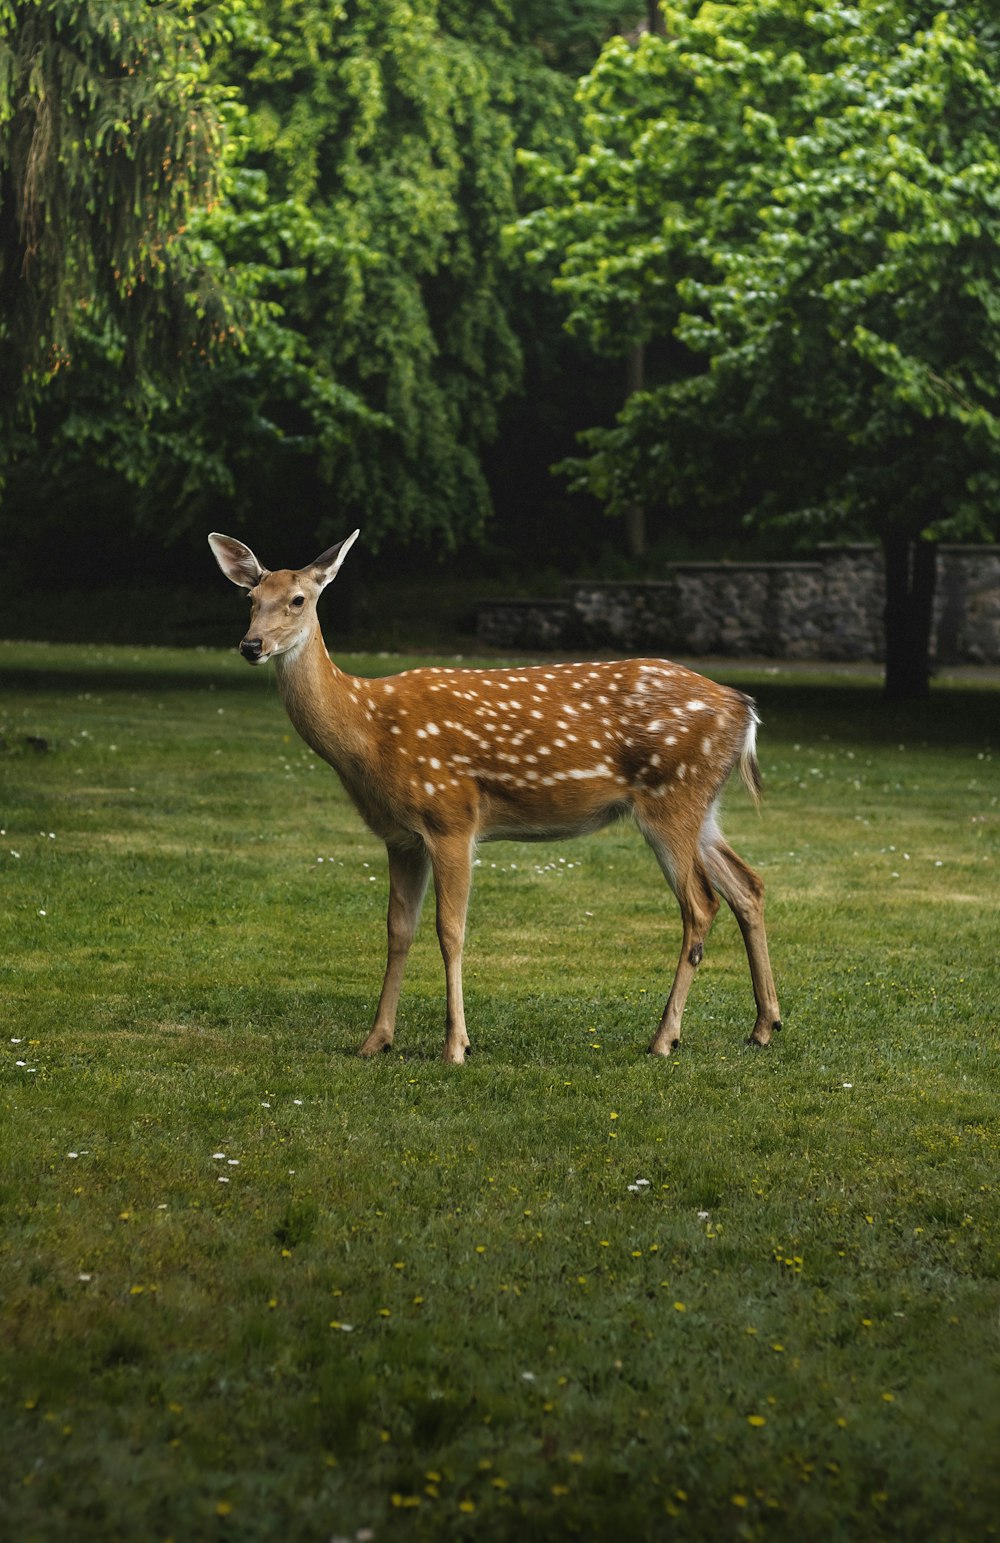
x=283, y=604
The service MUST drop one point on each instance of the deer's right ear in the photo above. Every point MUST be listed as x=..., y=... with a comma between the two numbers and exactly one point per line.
x=236, y=561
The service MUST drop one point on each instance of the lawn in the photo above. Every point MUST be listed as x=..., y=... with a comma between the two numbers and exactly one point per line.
x=254, y=1288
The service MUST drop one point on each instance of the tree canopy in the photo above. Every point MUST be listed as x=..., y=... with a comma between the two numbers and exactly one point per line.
x=110, y=136
x=370, y=173
x=803, y=208
x=387, y=213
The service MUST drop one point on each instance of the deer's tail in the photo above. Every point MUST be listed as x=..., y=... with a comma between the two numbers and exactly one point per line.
x=749, y=768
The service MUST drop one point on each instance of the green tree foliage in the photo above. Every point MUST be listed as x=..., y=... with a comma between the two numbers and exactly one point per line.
x=109, y=136
x=383, y=130
x=372, y=173
x=803, y=208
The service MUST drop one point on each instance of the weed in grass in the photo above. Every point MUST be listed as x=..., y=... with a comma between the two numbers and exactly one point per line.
x=254, y=1287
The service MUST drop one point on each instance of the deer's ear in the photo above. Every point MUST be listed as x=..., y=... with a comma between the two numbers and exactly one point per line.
x=236, y=561
x=326, y=567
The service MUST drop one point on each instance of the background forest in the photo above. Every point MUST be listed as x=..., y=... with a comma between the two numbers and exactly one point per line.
x=288, y=268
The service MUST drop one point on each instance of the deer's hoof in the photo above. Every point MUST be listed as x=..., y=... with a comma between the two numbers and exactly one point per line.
x=374, y=1045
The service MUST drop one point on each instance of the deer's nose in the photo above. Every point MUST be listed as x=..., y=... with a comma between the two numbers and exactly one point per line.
x=251, y=648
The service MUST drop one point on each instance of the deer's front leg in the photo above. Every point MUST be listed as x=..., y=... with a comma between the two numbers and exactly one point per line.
x=409, y=870
x=452, y=860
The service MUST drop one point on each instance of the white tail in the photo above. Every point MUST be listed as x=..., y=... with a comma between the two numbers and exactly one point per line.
x=436, y=760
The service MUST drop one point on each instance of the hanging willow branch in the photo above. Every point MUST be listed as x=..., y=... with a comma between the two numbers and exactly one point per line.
x=109, y=137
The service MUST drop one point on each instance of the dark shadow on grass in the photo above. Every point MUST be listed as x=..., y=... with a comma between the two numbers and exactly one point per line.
x=858, y=713
x=70, y=679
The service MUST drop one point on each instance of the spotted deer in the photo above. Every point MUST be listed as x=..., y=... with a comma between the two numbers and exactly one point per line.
x=436, y=760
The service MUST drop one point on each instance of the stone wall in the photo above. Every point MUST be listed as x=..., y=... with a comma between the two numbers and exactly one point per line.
x=827, y=609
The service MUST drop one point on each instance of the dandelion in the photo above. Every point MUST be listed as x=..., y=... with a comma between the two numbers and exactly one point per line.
x=756, y=1420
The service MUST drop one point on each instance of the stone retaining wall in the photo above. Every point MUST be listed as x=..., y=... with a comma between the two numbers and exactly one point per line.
x=827, y=609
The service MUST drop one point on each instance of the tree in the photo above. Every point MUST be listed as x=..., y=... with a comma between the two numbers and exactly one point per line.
x=807, y=204
x=109, y=136
x=373, y=172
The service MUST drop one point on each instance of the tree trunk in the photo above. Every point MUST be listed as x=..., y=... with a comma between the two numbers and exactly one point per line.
x=635, y=513
x=910, y=573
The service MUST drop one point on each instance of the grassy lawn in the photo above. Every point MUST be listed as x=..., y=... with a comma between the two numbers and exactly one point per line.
x=255, y=1288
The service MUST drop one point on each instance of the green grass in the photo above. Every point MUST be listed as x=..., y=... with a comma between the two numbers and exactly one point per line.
x=429, y=1303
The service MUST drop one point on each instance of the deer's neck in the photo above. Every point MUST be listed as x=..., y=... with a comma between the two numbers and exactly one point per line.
x=320, y=702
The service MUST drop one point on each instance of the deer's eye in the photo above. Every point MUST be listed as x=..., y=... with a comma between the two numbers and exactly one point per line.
x=299, y=602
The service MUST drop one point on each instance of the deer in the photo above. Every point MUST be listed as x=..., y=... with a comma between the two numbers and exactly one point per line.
x=438, y=759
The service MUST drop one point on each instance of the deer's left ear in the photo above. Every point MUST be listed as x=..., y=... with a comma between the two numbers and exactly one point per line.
x=326, y=568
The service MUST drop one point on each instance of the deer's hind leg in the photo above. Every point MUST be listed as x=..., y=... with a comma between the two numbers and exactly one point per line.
x=743, y=891
x=699, y=903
